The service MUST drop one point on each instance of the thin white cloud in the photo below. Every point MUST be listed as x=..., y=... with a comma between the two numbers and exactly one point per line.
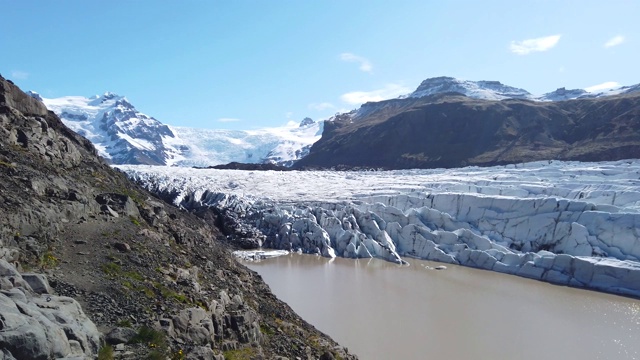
x=387, y=92
x=321, y=106
x=528, y=46
x=603, y=86
x=365, y=64
x=19, y=75
x=614, y=41
x=226, y=120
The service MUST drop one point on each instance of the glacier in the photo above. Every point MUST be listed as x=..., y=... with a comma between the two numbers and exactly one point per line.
x=567, y=223
x=281, y=145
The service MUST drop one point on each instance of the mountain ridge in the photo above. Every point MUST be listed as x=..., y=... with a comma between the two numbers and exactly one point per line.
x=452, y=130
x=123, y=135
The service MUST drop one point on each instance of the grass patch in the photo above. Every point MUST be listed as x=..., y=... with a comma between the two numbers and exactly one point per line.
x=48, y=260
x=151, y=337
x=133, y=195
x=133, y=275
x=112, y=269
x=6, y=164
x=124, y=323
x=156, y=355
x=167, y=293
x=178, y=355
x=105, y=353
x=266, y=330
x=134, y=221
x=146, y=291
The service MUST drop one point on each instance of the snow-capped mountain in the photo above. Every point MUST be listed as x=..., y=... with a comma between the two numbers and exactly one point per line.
x=489, y=90
x=484, y=90
x=124, y=135
x=119, y=132
x=495, y=90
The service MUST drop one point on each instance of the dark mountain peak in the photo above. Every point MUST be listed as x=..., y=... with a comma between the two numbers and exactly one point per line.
x=307, y=121
x=124, y=103
x=563, y=94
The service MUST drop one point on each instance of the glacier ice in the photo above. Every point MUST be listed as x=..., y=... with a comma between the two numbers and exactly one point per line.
x=567, y=223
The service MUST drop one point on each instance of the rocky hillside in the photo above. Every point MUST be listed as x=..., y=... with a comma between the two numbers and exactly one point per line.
x=452, y=130
x=92, y=264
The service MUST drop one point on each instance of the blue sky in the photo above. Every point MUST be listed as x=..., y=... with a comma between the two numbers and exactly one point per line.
x=248, y=64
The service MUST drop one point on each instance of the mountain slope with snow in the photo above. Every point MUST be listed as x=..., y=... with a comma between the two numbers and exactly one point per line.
x=124, y=135
x=121, y=133
x=466, y=127
x=488, y=90
x=495, y=90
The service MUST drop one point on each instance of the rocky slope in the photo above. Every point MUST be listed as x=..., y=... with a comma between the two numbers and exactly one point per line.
x=154, y=282
x=452, y=130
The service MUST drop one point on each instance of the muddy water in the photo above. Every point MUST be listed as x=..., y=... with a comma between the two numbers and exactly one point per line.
x=383, y=311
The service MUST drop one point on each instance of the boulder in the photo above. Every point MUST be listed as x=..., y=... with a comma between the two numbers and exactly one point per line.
x=42, y=327
x=120, y=335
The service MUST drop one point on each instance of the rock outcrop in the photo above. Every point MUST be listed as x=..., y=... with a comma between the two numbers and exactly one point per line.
x=37, y=325
x=83, y=249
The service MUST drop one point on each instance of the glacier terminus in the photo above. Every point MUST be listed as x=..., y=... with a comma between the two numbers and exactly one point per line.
x=567, y=223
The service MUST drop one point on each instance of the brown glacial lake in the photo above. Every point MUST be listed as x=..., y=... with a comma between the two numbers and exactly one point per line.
x=383, y=311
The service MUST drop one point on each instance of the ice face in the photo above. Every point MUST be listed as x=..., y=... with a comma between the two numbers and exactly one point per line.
x=568, y=223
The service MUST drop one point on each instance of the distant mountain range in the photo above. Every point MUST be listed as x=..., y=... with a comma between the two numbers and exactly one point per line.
x=495, y=90
x=447, y=130
x=124, y=135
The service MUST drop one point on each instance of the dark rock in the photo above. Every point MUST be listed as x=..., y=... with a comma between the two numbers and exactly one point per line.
x=248, y=167
x=38, y=283
x=120, y=335
x=121, y=246
x=327, y=356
